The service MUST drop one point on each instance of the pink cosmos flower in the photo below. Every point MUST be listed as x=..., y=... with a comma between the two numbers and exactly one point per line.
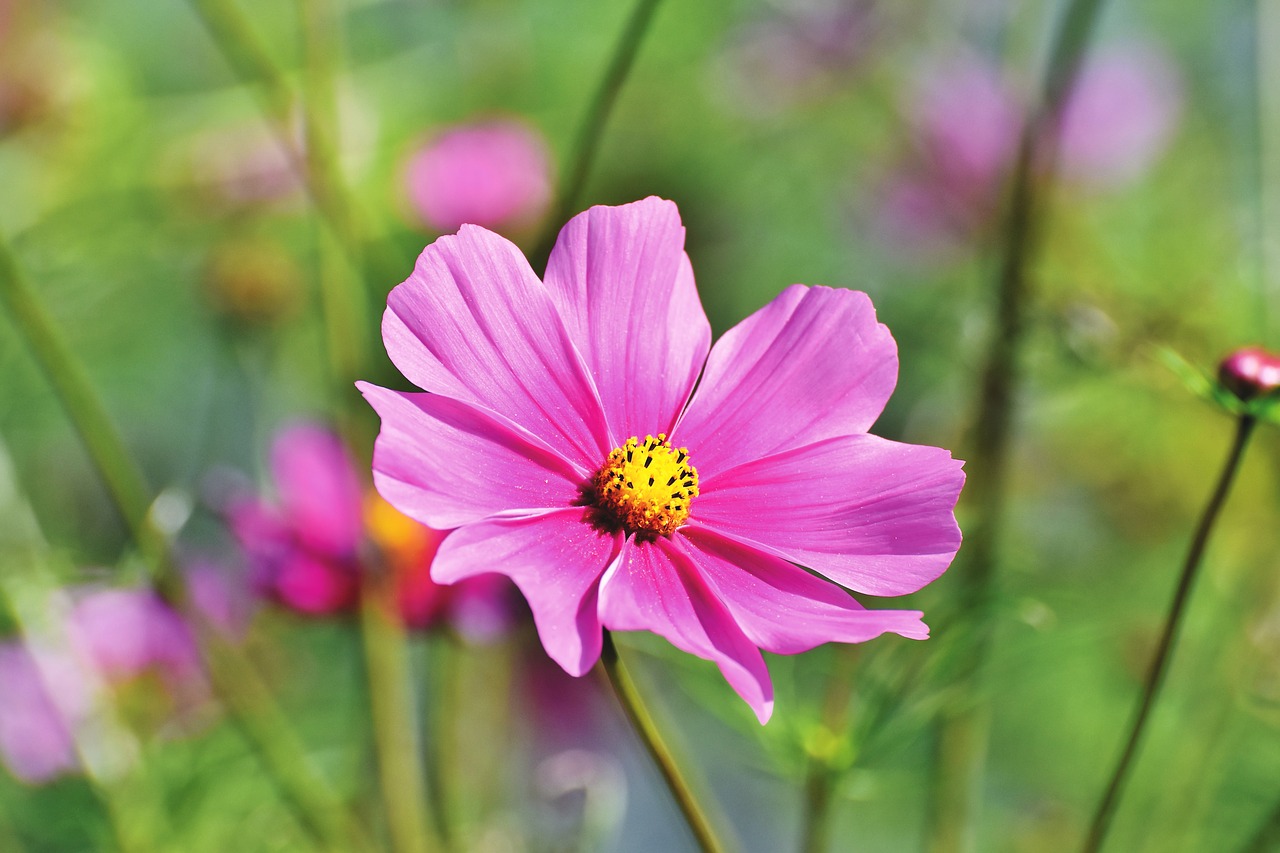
x=562, y=438
x=496, y=174
x=309, y=552
x=35, y=738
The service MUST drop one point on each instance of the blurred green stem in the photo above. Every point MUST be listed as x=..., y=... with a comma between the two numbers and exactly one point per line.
x=962, y=735
x=342, y=301
x=587, y=143
x=1267, y=838
x=318, y=166
x=823, y=773
x=1160, y=662
x=642, y=721
x=122, y=477
x=235, y=679
x=395, y=725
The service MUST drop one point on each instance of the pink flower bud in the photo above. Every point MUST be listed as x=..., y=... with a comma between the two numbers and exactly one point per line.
x=1250, y=372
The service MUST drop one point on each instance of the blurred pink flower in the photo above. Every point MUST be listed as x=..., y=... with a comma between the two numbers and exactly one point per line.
x=496, y=174
x=35, y=738
x=308, y=554
x=548, y=439
x=1120, y=115
x=122, y=633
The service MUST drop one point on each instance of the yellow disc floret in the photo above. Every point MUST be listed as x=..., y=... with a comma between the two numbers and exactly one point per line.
x=646, y=487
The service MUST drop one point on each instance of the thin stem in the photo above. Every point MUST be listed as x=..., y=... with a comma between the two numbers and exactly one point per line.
x=124, y=480
x=1267, y=838
x=235, y=680
x=629, y=698
x=252, y=64
x=343, y=305
x=587, y=143
x=821, y=777
x=265, y=726
x=395, y=724
x=962, y=736
x=1173, y=621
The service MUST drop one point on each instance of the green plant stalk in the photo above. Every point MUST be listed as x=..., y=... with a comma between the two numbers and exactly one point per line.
x=235, y=679
x=822, y=775
x=265, y=726
x=587, y=142
x=253, y=65
x=88, y=416
x=962, y=735
x=1168, y=636
x=395, y=723
x=624, y=688
x=346, y=319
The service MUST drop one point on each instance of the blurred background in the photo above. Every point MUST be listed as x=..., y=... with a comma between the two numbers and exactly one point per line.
x=216, y=253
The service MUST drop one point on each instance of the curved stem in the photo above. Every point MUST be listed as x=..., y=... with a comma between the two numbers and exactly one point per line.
x=395, y=725
x=629, y=698
x=963, y=733
x=587, y=143
x=236, y=681
x=1160, y=663
x=125, y=483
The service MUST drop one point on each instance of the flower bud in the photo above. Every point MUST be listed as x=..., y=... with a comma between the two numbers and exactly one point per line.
x=1250, y=372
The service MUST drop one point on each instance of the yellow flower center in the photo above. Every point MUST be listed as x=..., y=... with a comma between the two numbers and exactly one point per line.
x=646, y=487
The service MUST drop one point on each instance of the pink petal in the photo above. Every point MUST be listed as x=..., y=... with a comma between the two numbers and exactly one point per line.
x=811, y=364
x=474, y=323
x=785, y=609
x=446, y=463
x=495, y=174
x=35, y=740
x=873, y=515
x=312, y=586
x=556, y=560
x=656, y=587
x=621, y=280
x=320, y=491
x=123, y=632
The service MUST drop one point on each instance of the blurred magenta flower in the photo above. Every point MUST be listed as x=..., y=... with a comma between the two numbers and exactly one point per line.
x=35, y=702
x=309, y=553
x=122, y=633
x=495, y=173
x=965, y=118
x=1250, y=372
x=1120, y=115
x=559, y=438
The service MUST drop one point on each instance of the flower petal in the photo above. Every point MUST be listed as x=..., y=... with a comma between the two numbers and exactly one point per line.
x=656, y=587
x=812, y=364
x=873, y=515
x=784, y=609
x=621, y=280
x=320, y=492
x=446, y=463
x=556, y=559
x=474, y=323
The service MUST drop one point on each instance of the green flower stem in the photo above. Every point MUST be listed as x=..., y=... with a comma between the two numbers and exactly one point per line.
x=1267, y=838
x=962, y=735
x=1173, y=621
x=591, y=132
x=124, y=480
x=241, y=688
x=236, y=681
x=253, y=65
x=395, y=723
x=824, y=771
x=624, y=688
